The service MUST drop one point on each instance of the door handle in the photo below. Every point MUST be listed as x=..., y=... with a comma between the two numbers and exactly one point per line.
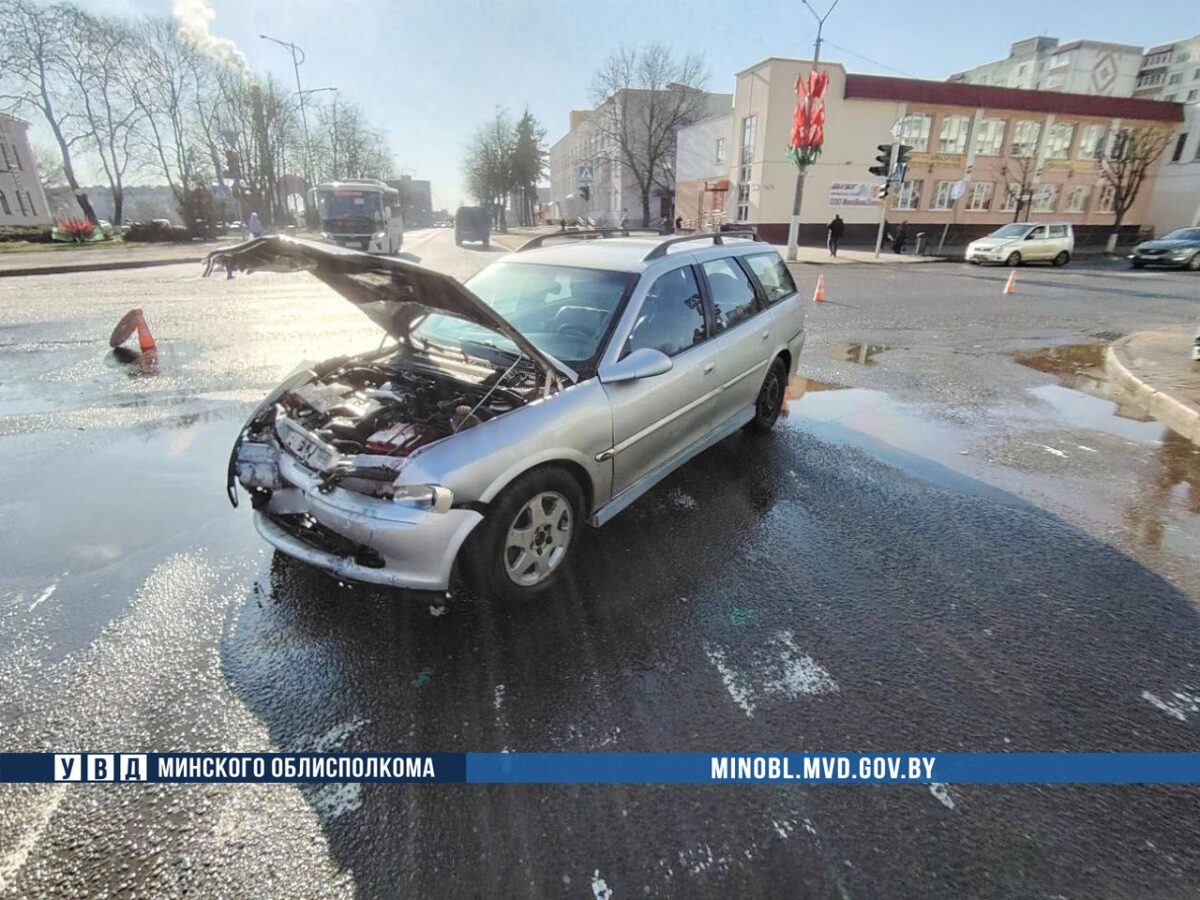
x=709, y=368
x=766, y=335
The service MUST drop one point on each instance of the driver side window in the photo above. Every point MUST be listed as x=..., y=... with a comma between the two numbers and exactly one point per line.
x=672, y=315
x=1037, y=234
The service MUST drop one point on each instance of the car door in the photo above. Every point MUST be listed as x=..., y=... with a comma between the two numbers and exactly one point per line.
x=1036, y=245
x=655, y=419
x=741, y=337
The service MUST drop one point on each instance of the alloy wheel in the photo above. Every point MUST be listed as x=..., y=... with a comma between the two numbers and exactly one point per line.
x=538, y=538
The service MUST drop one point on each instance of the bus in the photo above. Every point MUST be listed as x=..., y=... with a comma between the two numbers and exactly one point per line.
x=360, y=214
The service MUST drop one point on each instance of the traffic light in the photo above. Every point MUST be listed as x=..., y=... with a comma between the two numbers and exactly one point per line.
x=883, y=190
x=902, y=151
x=885, y=161
x=585, y=192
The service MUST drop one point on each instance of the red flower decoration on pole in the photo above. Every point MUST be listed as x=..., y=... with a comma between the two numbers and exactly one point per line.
x=808, y=125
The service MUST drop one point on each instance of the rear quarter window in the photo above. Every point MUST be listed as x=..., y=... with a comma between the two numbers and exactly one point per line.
x=773, y=274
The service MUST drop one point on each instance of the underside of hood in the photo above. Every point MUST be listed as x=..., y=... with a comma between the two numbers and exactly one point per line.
x=393, y=293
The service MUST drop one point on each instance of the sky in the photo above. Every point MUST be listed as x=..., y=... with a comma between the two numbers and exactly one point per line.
x=430, y=72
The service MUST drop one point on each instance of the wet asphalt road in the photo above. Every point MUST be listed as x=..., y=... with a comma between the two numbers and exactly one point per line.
x=940, y=549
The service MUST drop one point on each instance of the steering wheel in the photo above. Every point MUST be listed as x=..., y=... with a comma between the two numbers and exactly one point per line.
x=570, y=329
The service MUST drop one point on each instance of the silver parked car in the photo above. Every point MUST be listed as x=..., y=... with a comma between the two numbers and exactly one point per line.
x=553, y=389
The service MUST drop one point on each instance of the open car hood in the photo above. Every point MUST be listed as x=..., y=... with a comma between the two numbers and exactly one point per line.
x=393, y=293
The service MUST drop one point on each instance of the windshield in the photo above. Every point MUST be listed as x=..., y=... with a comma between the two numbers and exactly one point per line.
x=1011, y=231
x=565, y=312
x=1183, y=234
x=348, y=204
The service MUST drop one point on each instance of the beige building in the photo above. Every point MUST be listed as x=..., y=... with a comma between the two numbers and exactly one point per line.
x=22, y=200
x=974, y=148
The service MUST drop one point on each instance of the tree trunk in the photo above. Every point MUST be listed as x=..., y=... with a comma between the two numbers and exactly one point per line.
x=645, y=207
x=1111, y=246
x=118, y=196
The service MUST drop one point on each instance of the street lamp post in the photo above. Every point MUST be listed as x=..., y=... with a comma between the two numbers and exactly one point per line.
x=798, y=196
x=297, y=59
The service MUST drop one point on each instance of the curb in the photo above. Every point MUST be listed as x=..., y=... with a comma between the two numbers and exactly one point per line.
x=1171, y=411
x=98, y=267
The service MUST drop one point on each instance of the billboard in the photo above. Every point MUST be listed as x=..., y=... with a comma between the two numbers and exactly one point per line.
x=854, y=193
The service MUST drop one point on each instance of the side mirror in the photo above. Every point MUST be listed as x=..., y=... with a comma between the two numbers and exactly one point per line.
x=642, y=363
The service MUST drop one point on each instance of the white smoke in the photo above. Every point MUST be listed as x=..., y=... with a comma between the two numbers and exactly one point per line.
x=193, y=18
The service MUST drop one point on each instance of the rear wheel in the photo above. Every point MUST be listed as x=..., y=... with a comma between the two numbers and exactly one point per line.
x=523, y=547
x=1063, y=258
x=769, y=403
x=1014, y=259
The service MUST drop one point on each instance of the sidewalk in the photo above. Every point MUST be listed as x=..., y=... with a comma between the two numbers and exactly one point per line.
x=1157, y=368
x=127, y=256
x=819, y=256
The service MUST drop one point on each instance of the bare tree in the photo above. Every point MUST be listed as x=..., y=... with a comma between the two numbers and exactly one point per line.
x=32, y=45
x=1124, y=168
x=346, y=146
x=92, y=52
x=643, y=98
x=489, y=166
x=1021, y=172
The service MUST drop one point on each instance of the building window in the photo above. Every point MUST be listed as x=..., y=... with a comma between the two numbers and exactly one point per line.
x=29, y=200
x=17, y=157
x=4, y=151
x=1025, y=138
x=1044, y=199
x=4, y=204
x=1011, y=192
x=1170, y=98
x=989, y=138
x=1176, y=78
x=1179, y=144
x=1192, y=95
x=746, y=171
x=1077, y=198
x=20, y=202
x=1107, y=195
x=1058, y=140
x=720, y=150
x=942, y=198
x=909, y=195
x=953, y=136
x=913, y=130
x=980, y=197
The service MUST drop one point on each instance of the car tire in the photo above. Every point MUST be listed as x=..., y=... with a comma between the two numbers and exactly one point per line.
x=1193, y=264
x=1014, y=259
x=769, y=402
x=1137, y=264
x=513, y=554
x=1062, y=259
x=486, y=243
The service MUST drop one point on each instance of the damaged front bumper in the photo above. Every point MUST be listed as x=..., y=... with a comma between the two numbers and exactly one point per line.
x=362, y=538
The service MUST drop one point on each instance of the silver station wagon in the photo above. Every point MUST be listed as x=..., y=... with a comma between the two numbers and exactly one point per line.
x=550, y=391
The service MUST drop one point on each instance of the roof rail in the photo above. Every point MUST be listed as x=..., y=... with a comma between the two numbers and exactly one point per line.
x=589, y=234
x=716, y=237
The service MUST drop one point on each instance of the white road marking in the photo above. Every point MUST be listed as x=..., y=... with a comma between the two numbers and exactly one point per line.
x=43, y=597
x=1178, y=707
x=942, y=792
x=600, y=890
x=498, y=697
x=778, y=669
x=1054, y=451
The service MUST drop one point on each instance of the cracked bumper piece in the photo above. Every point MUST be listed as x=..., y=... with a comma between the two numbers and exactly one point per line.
x=363, y=538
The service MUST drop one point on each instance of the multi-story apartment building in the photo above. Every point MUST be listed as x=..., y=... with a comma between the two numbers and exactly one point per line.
x=585, y=157
x=22, y=200
x=702, y=172
x=977, y=150
x=1171, y=72
x=1080, y=67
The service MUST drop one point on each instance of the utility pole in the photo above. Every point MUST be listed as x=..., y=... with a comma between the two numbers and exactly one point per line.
x=298, y=58
x=883, y=203
x=798, y=196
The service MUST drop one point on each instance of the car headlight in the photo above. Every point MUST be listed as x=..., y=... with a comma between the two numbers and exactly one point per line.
x=380, y=235
x=423, y=496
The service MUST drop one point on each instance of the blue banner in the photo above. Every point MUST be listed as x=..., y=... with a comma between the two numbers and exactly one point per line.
x=603, y=768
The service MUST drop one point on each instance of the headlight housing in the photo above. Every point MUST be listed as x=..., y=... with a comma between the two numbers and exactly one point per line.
x=380, y=235
x=423, y=496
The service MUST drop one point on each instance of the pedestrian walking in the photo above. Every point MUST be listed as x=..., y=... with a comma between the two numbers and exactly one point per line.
x=836, y=229
x=900, y=237
x=254, y=226
x=679, y=224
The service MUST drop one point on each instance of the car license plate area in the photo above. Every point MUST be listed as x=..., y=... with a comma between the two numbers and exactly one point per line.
x=307, y=449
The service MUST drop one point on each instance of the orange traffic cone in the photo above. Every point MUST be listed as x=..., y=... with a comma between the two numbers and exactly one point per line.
x=145, y=338
x=819, y=293
x=1011, y=286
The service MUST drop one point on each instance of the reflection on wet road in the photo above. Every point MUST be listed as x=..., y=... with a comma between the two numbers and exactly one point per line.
x=894, y=568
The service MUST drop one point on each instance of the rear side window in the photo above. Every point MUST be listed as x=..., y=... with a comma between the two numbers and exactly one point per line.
x=1058, y=231
x=672, y=315
x=732, y=293
x=772, y=273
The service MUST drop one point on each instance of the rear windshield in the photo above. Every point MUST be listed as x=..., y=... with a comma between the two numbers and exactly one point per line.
x=565, y=312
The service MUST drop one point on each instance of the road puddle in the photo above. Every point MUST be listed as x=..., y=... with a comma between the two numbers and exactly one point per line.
x=861, y=353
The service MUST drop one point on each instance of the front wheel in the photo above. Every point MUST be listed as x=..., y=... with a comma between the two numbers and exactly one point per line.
x=1062, y=259
x=1193, y=264
x=523, y=547
x=1014, y=259
x=769, y=403
x=1137, y=264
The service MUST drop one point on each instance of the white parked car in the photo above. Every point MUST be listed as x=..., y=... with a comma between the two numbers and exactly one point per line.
x=553, y=389
x=1022, y=242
